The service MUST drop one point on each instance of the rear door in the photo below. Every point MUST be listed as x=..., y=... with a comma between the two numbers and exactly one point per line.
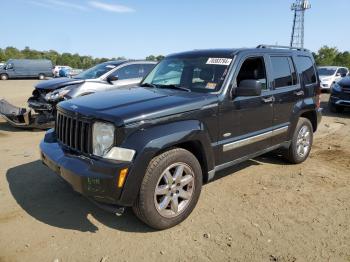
x=286, y=91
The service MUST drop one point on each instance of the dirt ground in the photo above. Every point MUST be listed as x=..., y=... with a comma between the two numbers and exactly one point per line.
x=261, y=210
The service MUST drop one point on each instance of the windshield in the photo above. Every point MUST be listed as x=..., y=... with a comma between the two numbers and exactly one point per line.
x=326, y=71
x=196, y=74
x=95, y=72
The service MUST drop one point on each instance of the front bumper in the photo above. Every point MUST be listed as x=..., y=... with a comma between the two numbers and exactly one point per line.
x=92, y=177
x=326, y=85
x=24, y=118
x=340, y=100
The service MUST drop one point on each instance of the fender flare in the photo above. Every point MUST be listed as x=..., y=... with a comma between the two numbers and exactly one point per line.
x=301, y=107
x=149, y=142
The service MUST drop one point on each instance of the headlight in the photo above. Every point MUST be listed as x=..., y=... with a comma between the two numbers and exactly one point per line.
x=102, y=138
x=58, y=94
x=336, y=87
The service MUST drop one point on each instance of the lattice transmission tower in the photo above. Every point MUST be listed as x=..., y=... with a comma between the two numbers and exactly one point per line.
x=299, y=8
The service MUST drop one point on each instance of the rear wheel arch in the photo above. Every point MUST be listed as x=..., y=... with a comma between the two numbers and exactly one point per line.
x=312, y=117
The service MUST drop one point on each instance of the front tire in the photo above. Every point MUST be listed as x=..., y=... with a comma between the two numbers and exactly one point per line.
x=301, y=142
x=170, y=189
x=4, y=77
x=41, y=76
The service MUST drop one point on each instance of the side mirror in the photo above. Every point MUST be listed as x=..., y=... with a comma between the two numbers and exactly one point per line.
x=338, y=74
x=110, y=79
x=249, y=88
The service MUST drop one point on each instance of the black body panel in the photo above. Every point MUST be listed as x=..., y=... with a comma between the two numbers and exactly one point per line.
x=220, y=127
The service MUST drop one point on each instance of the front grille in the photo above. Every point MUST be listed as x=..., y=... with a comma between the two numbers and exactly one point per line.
x=346, y=89
x=74, y=132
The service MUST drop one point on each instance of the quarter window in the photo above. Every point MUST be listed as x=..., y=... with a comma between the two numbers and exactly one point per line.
x=306, y=68
x=282, y=71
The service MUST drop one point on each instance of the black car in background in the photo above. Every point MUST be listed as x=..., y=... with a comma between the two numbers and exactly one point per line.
x=340, y=96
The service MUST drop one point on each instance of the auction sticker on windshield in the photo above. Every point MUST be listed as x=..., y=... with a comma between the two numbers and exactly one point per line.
x=218, y=61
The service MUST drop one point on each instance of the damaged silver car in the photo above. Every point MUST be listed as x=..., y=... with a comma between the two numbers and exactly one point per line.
x=41, y=112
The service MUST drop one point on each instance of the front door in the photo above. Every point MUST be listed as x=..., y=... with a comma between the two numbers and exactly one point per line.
x=246, y=121
x=129, y=75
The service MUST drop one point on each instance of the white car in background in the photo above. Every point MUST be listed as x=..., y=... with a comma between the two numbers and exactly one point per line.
x=331, y=74
x=56, y=70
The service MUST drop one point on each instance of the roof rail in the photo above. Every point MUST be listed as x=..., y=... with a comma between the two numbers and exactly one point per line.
x=282, y=47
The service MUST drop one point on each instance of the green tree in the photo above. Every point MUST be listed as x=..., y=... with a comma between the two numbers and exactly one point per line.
x=326, y=56
x=72, y=60
x=151, y=58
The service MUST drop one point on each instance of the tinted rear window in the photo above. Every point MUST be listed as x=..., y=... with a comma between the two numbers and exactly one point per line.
x=306, y=68
x=281, y=71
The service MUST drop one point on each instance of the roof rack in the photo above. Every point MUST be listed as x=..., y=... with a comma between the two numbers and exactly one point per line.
x=282, y=47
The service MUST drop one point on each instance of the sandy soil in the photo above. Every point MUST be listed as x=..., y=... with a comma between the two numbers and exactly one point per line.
x=261, y=210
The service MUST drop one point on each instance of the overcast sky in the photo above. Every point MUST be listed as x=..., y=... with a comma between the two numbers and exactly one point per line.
x=137, y=28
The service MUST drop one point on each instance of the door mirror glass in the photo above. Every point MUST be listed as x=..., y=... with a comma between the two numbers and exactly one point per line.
x=249, y=87
x=338, y=74
x=110, y=79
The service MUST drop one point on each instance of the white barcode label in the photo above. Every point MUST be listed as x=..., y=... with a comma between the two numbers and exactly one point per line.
x=218, y=61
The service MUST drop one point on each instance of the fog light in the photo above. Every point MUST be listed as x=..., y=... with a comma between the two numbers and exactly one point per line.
x=122, y=177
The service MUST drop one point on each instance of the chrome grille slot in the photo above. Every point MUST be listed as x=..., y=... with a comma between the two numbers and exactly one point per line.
x=346, y=89
x=74, y=133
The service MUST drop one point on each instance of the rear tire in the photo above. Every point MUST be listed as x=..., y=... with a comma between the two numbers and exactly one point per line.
x=301, y=142
x=170, y=189
x=4, y=77
x=41, y=76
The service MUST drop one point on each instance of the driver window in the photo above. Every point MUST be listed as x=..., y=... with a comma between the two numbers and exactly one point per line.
x=253, y=68
x=129, y=72
x=9, y=66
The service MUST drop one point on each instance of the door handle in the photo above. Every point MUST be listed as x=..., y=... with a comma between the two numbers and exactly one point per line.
x=299, y=93
x=268, y=99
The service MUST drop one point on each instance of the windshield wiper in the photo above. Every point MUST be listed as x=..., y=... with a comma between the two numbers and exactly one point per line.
x=175, y=87
x=148, y=85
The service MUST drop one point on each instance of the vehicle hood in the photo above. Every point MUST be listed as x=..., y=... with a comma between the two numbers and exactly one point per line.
x=345, y=81
x=58, y=83
x=127, y=106
x=326, y=78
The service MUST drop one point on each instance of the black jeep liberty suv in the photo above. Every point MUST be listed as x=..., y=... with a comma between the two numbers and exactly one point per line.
x=152, y=147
